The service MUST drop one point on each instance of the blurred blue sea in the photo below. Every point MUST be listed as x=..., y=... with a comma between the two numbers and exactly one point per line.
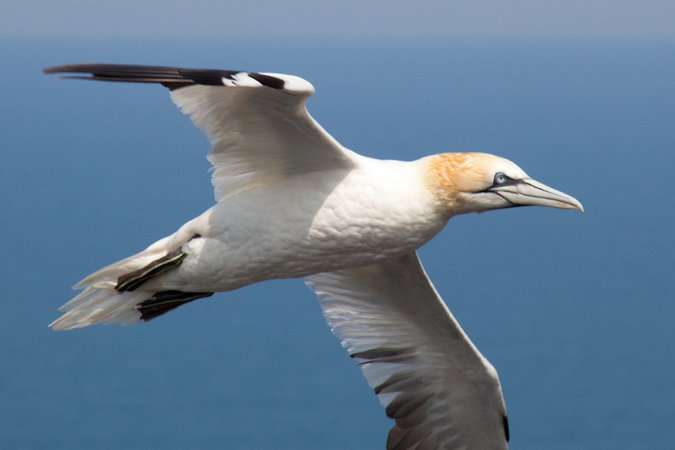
x=574, y=310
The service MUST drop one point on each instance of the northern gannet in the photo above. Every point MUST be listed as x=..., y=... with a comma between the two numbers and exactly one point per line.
x=293, y=202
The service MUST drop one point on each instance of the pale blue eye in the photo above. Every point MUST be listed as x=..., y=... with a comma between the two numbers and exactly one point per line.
x=500, y=178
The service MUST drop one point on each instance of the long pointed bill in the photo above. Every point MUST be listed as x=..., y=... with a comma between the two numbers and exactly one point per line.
x=528, y=192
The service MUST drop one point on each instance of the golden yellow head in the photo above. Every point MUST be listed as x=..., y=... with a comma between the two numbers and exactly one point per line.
x=476, y=182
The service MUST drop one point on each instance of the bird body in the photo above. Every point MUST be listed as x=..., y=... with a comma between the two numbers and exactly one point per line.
x=322, y=220
x=315, y=222
x=292, y=202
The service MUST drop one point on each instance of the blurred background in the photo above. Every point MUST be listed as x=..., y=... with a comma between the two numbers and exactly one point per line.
x=574, y=310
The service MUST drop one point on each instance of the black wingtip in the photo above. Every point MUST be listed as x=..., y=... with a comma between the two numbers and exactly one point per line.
x=73, y=68
x=505, y=423
x=170, y=77
x=268, y=80
x=55, y=69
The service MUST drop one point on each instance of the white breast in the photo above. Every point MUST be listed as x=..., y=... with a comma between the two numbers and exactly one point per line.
x=316, y=222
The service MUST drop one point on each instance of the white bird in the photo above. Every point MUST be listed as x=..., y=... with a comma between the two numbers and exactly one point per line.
x=293, y=202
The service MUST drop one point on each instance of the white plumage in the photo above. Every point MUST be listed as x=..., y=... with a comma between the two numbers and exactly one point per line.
x=292, y=202
x=390, y=317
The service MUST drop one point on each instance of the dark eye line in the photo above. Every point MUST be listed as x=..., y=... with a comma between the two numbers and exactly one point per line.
x=498, y=175
x=508, y=181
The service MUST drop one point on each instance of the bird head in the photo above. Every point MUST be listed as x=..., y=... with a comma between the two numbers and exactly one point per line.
x=477, y=182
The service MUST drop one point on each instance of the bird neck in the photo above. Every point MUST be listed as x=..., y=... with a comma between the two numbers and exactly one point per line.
x=449, y=175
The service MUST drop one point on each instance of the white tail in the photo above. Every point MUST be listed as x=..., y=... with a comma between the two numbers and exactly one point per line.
x=99, y=302
x=100, y=305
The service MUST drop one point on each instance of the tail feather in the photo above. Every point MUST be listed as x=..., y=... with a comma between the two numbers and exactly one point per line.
x=96, y=305
x=99, y=302
x=107, y=276
x=117, y=293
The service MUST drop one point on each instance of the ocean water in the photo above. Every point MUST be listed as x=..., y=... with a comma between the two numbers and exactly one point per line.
x=574, y=310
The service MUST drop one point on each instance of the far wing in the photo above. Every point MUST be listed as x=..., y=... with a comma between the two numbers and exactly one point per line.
x=257, y=123
x=431, y=379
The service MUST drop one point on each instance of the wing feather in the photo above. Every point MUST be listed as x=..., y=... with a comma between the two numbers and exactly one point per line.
x=428, y=375
x=257, y=123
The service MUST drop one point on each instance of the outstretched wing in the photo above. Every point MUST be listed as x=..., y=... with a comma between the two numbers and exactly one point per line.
x=257, y=123
x=428, y=375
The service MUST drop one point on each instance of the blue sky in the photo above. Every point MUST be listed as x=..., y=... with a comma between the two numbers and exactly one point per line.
x=346, y=19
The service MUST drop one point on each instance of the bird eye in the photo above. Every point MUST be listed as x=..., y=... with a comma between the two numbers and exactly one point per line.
x=500, y=178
